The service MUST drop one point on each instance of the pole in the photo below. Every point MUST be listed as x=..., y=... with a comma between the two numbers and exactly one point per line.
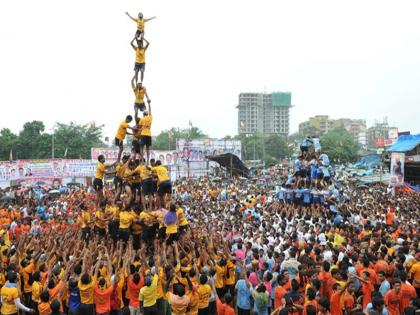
x=52, y=147
x=231, y=170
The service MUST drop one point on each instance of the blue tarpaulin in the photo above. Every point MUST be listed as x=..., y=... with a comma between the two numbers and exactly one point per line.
x=369, y=161
x=405, y=143
x=415, y=188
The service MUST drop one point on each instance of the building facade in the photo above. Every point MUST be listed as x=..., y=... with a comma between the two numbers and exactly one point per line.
x=262, y=113
x=322, y=124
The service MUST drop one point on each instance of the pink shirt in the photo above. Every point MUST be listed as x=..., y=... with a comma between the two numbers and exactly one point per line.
x=240, y=254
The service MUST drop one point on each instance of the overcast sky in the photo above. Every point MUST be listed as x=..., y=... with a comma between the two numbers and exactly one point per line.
x=64, y=61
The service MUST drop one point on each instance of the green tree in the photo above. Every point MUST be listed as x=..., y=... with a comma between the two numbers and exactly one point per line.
x=76, y=139
x=31, y=142
x=339, y=145
x=8, y=141
x=166, y=140
x=275, y=148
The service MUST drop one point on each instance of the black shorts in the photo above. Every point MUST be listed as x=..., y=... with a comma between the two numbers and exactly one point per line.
x=320, y=175
x=98, y=184
x=171, y=238
x=124, y=234
x=162, y=233
x=119, y=143
x=135, y=187
x=165, y=188
x=118, y=182
x=140, y=106
x=302, y=173
x=148, y=233
x=147, y=186
x=139, y=66
x=135, y=145
x=139, y=32
x=304, y=148
x=99, y=231
x=145, y=141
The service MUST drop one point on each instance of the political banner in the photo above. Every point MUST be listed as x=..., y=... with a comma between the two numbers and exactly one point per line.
x=397, y=169
x=111, y=154
x=196, y=150
x=48, y=168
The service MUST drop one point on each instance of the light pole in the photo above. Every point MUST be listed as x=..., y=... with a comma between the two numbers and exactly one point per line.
x=52, y=147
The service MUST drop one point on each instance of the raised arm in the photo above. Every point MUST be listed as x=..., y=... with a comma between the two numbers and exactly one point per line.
x=147, y=43
x=128, y=14
x=132, y=44
x=149, y=19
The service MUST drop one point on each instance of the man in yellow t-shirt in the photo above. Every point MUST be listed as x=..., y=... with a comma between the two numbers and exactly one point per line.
x=98, y=184
x=146, y=133
x=121, y=133
x=140, y=24
x=126, y=220
x=148, y=295
x=113, y=212
x=182, y=219
x=204, y=293
x=140, y=92
x=10, y=296
x=140, y=63
x=164, y=182
x=119, y=175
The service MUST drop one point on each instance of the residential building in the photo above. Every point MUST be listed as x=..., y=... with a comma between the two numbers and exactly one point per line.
x=317, y=125
x=322, y=124
x=262, y=113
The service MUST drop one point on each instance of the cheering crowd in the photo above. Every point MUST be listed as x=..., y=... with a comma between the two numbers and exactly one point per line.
x=299, y=243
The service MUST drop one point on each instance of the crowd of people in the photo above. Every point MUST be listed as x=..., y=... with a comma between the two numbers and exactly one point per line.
x=203, y=246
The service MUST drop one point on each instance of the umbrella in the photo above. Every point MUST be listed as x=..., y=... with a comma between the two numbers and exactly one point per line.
x=54, y=192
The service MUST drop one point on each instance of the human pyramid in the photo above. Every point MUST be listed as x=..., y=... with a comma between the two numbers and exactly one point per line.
x=139, y=176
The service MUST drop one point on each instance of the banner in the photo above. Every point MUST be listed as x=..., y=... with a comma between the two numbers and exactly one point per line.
x=49, y=168
x=52, y=182
x=379, y=142
x=397, y=169
x=111, y=154
x=196, y=150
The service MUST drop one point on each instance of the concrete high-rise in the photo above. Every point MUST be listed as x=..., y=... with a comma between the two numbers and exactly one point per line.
x=261, y=113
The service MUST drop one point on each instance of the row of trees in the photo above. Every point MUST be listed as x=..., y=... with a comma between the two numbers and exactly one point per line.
x=75, y=141
x=33, y=142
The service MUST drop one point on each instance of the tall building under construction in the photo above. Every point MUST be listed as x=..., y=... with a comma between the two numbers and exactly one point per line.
x=262, y=113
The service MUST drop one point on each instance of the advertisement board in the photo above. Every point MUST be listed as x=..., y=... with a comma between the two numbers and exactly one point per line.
x=397, y=169
x=111, y=154
x=196, y=150
x=48, y=168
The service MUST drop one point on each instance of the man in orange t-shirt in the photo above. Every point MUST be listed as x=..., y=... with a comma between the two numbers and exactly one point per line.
x=323, y=277
x=408, y=293
x=393, y=297
x=279, y=291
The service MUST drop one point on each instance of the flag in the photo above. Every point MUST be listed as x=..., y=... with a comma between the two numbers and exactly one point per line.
x=11, y=155
x=65, y=153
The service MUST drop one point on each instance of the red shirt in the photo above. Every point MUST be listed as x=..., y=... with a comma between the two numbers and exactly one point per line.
x=133, y=292
x=392, y=302
x=313, y=303
x=335, y=306
x=367, y=289
x=279, y=293
x=323, y=277
x=221, y=308
x=408, y=293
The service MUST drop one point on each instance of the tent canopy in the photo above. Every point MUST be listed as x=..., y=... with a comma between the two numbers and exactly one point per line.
x=405, y=143
x=232, y=164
